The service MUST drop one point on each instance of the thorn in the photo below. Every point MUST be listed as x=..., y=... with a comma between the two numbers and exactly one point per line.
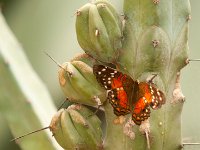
x=193, y=59
x=188, y=60
x=147, y=137
x=30, y=133
x=145, y=129
x=58, y=64
x=191, y=144
x=67, y=99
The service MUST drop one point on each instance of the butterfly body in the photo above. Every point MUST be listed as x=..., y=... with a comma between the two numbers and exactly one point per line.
x=127, y=95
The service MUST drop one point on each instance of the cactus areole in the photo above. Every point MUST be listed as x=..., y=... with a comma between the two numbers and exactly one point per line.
x=150, y=39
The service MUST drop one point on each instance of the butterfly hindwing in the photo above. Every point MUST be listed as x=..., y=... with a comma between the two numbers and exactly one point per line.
x=158, y=98
x=147, y=96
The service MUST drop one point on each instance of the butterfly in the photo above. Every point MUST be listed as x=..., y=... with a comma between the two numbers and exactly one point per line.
x=127, y=95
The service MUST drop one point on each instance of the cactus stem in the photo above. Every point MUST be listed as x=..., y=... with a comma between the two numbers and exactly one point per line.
x=155, y=43
x=177, y=93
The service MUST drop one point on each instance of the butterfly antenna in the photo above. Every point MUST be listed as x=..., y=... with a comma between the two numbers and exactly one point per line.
x=153, y=77
x=58, y=64
x=30, y=133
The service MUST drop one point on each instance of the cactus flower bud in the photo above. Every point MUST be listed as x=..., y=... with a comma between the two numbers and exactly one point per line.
x=73, y=128
x=79, y=84
x=98, y=29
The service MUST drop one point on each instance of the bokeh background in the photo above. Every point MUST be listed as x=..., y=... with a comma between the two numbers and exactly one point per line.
x=49, y=25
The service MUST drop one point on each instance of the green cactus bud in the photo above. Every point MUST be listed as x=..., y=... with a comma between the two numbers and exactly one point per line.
x=82, y=28
x=85, y=58
x=73, y=129
x=78, y=83
x=98, y=30
x=64, y=131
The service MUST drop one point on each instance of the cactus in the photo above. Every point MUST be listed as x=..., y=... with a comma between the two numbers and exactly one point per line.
x=151, y=38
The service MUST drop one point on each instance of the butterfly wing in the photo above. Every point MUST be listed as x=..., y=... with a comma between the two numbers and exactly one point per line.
x=114, y=82
x=147, y=96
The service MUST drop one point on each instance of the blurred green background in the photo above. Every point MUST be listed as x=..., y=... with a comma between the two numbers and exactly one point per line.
x=49, y=25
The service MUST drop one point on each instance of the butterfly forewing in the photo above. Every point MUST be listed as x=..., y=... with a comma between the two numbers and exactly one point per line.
x=158, y=98
x=104, y=75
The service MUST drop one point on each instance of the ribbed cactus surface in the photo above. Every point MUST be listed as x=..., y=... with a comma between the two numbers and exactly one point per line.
x=151, y=37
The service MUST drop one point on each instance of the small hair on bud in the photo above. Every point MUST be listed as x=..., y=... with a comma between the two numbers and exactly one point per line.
x=17, y=138
x=58, y=64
